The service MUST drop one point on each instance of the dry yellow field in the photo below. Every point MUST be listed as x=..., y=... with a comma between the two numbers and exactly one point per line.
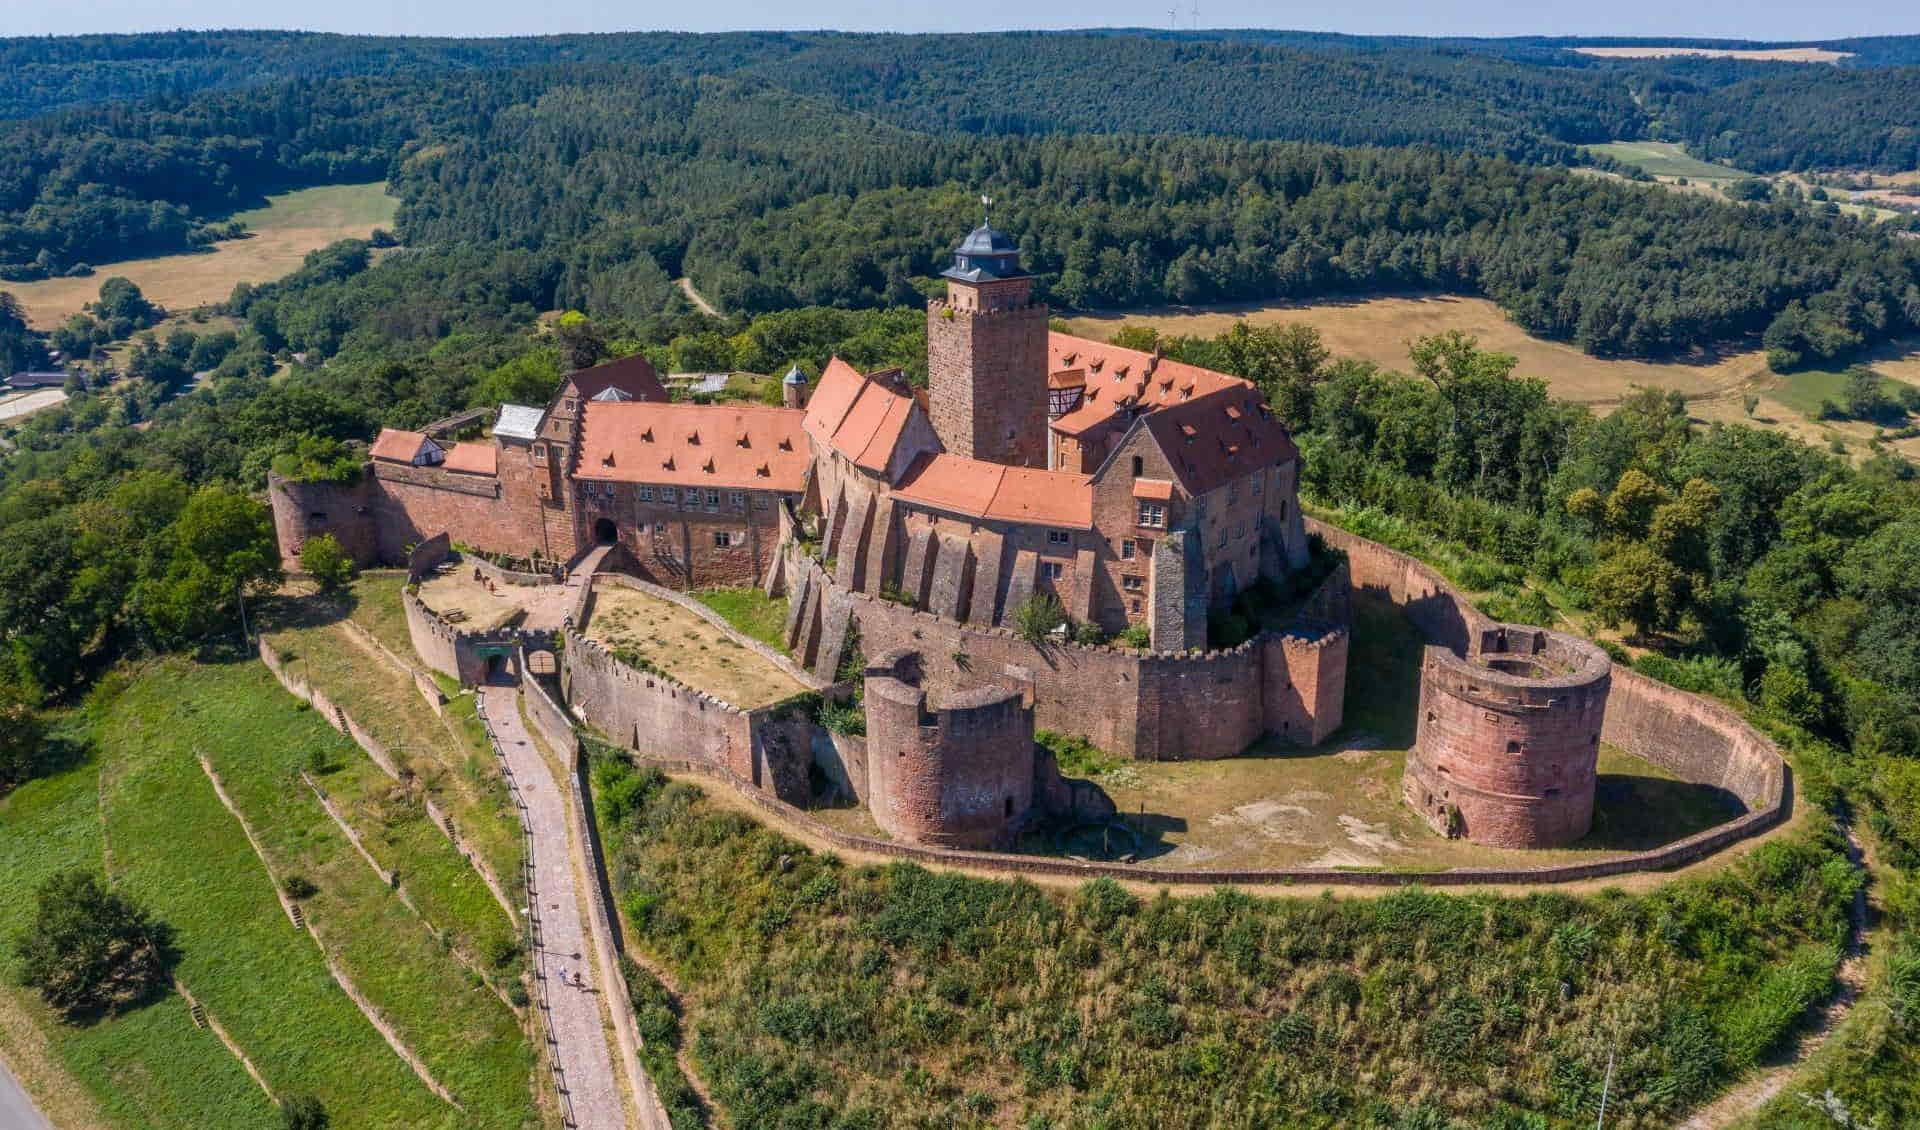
x=1768, y=55
x=283, y=232
x=1378, y=330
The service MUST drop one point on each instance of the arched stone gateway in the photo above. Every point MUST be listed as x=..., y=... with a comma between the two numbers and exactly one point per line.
x=542, y=663
x=605, y=532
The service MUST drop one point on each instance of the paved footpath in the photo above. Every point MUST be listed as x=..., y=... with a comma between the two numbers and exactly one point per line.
x=17, y=1111
x=572, y=1014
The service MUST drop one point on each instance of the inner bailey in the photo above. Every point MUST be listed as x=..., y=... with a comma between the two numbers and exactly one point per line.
x=1507, y=739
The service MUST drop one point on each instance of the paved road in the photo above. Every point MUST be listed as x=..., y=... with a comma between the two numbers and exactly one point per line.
x=574, y=1014
x=17, y=1111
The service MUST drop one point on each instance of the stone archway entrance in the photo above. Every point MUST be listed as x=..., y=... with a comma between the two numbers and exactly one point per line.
x=605, y=532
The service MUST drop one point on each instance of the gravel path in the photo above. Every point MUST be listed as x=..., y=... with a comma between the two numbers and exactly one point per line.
x=572, y=1015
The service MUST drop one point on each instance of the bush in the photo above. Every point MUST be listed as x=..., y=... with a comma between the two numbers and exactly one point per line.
x=1036, y=617
x=302, y=1112
x=1137, y=636
x=91, y=950
x=326, y=561
x=299, y=887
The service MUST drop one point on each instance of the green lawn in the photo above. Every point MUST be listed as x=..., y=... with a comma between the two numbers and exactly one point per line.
x=177, y=846
x=1667, y=159
x=752, y=612
x=327, y=206
x=150, y=1069
x=376, y=607
x=1804, y=390
x=450, y=757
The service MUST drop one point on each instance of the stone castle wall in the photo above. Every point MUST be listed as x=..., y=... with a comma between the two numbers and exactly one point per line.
x=1141, y=704
x=1696, y=738
x=303, y=510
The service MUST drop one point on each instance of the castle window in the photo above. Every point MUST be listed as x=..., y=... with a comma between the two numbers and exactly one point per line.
x=1009, y=808
x=713, y=500
x=316, y=515
x=1153, y=515
x=659, y=527
x=1133, y=584
x=1051, y=570
x=1513, y=747
x=1126, y=549
x=737, y=499
x=570, y=404
x=539, y=453
x=1135, y=605
x=667, y=494
x=1139, y=466
x=722, y=539
x=1059, y=537
x=1283, y=510
x=646, y=494
x=760, y=502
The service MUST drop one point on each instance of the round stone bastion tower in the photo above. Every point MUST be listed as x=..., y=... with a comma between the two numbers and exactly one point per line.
x=958, y=773
x=1508, y=737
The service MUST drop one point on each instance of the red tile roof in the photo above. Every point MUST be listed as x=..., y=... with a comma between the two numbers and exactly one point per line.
x=733, y=446
x=473, y=458
x=1117, y=377
x=632, y=375
x=1153, y=490
x=397, y=445
x=1212, y=440
x=857, y=416
x=978, y=489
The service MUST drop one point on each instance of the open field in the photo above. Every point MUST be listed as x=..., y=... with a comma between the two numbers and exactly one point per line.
x=174, y=842
x=685, y=647
x=1667, y=159
x=1758, y=55
x=291, y=225
x=20, y=405
x=149, y=1068
x=449, y=757
x=1378, y=329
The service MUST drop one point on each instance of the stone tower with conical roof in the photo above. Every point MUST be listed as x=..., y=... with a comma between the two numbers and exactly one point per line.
x=987, y=356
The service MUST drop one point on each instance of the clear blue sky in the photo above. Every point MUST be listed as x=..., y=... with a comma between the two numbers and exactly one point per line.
x=1750, y=19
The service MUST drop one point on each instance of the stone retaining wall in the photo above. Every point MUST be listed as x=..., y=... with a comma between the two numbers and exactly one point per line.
x=340, y=720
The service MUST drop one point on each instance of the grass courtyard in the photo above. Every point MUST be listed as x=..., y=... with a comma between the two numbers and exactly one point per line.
x=642, y=629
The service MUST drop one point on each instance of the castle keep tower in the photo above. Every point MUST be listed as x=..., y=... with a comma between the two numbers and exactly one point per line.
x=1508, y=739
x=987, y=356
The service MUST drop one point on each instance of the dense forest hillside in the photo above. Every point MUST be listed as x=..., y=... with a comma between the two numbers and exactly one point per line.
x=1526, y=98
x=605, y=178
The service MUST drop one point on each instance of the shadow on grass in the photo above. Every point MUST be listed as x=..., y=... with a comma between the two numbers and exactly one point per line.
x=1636, y=813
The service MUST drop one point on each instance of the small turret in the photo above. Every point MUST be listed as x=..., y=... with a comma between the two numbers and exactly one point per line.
x=793, y=388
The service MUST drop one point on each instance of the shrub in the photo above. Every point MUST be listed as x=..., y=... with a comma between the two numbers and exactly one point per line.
x=302, y=1112
x=1137, y=636
x=89, y=949
x=1036, y=617
x=327, y=562
x=299, y=887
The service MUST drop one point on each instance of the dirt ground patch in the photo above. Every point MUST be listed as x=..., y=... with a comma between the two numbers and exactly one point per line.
x=26, y=404
x=685, y=647
x=1378, y=330
x=1340, y=807
x=291, y=225
x=457, y=592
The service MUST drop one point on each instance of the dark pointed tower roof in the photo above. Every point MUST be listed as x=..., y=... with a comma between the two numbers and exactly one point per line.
x=986, y=254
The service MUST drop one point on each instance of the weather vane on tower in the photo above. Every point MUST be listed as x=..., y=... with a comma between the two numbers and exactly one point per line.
x=986, y=211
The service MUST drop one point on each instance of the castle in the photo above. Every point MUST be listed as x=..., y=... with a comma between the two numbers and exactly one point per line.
x=1141, y=493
